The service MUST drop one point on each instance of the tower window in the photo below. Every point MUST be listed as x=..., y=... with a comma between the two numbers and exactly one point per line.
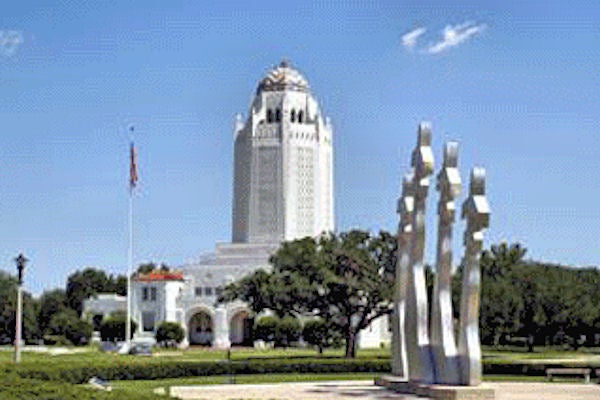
x=278, y=115
x=300, y=117
x=269, y=116
x=293, y=116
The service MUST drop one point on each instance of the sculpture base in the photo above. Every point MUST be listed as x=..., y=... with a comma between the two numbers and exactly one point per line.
x=436, y=392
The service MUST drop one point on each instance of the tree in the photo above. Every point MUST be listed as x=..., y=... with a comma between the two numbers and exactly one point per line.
x=51, y=303
x=113, y=328
x=346, y=279
x=8, y=307
x=319, y=334
x=67, y=324
x=83, y=284
x=169, y=333
x=118, y=284
x=152, y=266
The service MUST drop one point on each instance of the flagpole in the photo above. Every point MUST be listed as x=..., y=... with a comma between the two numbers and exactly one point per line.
x=129, y=268
x=132, y=184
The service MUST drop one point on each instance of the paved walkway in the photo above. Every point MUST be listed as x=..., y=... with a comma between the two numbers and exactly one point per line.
x=365, y=390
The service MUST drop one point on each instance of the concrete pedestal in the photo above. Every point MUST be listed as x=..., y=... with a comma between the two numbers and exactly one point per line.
x=436, y=392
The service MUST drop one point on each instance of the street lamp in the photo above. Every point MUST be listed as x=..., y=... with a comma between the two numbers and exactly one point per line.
x=21, y=261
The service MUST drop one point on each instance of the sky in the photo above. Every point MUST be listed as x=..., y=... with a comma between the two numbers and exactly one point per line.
x=517, y=85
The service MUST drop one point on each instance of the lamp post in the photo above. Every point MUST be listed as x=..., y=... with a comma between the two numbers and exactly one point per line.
x=20, y=261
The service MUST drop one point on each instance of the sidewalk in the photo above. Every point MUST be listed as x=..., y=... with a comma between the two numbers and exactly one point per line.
x=366, y=390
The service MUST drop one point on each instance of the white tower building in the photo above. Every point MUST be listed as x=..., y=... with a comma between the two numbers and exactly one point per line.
x=283, y=164
x=282, y=190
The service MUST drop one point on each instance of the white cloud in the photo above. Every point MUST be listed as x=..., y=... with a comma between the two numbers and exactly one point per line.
x=10, y=42
x=409, y=39
x=455, y=35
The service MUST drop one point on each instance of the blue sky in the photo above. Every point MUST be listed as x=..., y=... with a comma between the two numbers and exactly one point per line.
x=516, y=84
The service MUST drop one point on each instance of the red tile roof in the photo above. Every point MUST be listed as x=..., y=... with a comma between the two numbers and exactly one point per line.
x=159, y=276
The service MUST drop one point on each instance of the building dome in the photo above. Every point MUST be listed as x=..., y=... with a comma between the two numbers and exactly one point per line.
x=283, y=77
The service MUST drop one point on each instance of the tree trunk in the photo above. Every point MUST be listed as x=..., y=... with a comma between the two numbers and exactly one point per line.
x=351, y=344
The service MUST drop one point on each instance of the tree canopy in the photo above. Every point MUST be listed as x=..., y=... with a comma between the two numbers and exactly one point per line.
x=345, y=279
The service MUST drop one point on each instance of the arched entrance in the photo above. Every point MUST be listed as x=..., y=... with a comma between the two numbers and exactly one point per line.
x=201, y=328
x=240, y=328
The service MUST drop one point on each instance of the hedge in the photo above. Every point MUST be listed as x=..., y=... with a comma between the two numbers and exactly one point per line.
x=78, y=373
x=133, y=369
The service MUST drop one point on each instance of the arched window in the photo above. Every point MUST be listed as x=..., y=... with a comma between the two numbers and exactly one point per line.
x=293, y=116
x=269, y=116
x=300, y=117
x=278, y=115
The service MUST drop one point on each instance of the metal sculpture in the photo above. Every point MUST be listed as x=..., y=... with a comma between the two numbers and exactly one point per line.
x=420, y=355
x=443, y=342
x=477, y=213
x=420, y=365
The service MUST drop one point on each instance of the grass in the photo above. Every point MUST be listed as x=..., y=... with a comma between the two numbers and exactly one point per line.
x=148, y=386
x=92, y=356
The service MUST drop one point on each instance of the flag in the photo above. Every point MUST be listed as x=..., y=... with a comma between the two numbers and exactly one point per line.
x=133, y=176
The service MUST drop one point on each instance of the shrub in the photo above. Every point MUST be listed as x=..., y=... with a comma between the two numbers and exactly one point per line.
x=169, y=333
x=288, y=330
x=319, y=334
x=265, y=328
x=113, y=328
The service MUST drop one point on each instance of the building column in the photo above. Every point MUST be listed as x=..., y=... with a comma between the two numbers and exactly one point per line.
x=221, y=329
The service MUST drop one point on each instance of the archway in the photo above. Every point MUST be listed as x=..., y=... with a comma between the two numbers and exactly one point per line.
x=201, y=329
x=240, y=328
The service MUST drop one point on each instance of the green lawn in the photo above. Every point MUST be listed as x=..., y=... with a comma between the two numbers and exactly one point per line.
x=149, y=386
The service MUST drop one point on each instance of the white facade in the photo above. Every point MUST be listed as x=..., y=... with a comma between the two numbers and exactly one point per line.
x=155, y=298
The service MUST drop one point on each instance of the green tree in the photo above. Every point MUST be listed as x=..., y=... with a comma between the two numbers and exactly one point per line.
x=152, y=266
x=118, y=285
x=83, y=284
x=346, y=279
x=51, y=303
x=8, y=307
x=67, y=324
x=169, y=333
x=317, y=333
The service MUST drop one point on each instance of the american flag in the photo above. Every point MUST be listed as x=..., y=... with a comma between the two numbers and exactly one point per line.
x=133, y=175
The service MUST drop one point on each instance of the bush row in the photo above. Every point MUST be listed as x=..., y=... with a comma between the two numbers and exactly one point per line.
x=171, y=368
x=176, y=369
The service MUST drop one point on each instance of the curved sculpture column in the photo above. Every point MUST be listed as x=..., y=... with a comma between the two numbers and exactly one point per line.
x=477, y=213
x=443, y=341
x=417, y=321
x=405, y=210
